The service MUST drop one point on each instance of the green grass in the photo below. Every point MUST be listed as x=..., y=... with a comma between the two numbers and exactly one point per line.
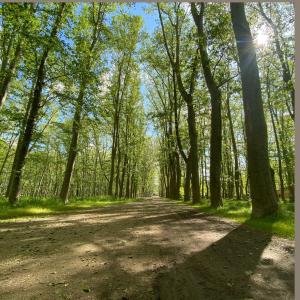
x=36, y=207
x=282, y=223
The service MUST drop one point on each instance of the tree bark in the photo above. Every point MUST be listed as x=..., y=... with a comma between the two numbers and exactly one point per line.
x=113, y=153
x=193, y=152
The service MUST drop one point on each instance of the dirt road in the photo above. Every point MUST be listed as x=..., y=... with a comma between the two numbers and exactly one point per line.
x=152, y=249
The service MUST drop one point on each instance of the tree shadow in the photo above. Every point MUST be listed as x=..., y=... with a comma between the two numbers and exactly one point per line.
x=228, y=270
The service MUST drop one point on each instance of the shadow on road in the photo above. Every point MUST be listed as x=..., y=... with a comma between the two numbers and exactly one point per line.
x=227, y=270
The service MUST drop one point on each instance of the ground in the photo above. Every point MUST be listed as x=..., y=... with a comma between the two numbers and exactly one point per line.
x=151, y=249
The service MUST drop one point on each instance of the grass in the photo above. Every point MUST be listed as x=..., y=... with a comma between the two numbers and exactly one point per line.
x=36, y=207
x=282, y=223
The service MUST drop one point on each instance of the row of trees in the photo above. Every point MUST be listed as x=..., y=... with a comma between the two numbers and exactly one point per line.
x=221, y=85
x=70, y=91
x=223, y=124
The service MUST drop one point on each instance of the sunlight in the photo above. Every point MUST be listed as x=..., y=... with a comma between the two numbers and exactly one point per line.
x=59, y=87
x=262, y=38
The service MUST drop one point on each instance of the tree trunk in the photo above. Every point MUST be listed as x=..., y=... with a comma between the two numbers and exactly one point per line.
x=235, y=152
x=178, y=176
x=216, y=120
x=280, y=173
x=113, y=152
x=123, y=175
x=193, y=152
x=187, y=181
x=118, y=173
x=128, y=175
x=64, y=192
x=264, y=201
x=25, y=139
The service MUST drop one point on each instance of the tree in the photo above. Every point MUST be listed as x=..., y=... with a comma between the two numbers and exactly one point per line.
x=286, y=72
x=123, y=26
x=264, y=201
x=216, y=119
x=187, y=95
x=86, y=51
x=35, y=101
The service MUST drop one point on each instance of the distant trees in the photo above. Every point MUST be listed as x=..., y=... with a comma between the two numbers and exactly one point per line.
x=125, y=70
x=68, y=74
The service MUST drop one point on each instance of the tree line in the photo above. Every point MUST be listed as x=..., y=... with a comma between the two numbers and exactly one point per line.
x=223, y=122
x=71, y=92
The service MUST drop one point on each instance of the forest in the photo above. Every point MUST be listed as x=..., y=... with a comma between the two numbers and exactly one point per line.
x=108, y=105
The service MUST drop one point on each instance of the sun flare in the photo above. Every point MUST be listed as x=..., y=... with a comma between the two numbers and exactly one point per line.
x=262, y=38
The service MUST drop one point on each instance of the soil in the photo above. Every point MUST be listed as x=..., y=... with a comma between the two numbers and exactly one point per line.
x=151, y=249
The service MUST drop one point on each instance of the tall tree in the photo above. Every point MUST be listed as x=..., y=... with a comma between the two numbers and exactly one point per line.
x=86, y=49
x=237, y=175
x=25, y=139
x=216, y=119
x=264, y=201
x=124, y=26
x=187, y=95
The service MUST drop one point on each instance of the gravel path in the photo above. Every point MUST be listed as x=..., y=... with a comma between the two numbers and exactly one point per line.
x=151, y=249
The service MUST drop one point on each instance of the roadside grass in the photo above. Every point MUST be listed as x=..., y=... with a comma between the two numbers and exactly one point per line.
x=29, y=207
x=281, y=223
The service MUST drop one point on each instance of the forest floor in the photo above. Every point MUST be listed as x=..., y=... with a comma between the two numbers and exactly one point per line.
x=151, y=249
